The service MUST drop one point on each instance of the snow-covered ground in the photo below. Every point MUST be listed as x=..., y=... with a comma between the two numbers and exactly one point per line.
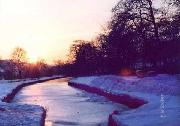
x=18, y=114
x=162, y=92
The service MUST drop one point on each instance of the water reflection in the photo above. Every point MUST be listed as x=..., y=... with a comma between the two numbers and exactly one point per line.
x=49, y=123
x=67, y=106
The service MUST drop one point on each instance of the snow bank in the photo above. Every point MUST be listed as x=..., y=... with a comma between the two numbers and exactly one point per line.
x=17, y=114
x=162, y=92
x=21, y=115
x=160, y=84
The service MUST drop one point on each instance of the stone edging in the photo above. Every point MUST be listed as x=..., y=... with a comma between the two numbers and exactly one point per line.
x=131, y=102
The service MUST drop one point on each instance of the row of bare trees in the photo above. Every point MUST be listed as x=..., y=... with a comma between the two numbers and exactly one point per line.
x=141, y=35
x=18, y=67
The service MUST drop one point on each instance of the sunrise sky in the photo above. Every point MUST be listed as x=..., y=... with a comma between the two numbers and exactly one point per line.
x=46, y=28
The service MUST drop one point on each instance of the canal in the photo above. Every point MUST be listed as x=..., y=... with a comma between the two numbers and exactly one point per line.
x=68, y=106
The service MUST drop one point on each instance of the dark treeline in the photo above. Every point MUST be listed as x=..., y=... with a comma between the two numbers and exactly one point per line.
x=141, y=35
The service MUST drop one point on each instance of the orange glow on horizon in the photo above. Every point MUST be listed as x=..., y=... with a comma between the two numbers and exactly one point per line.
x=47, y=28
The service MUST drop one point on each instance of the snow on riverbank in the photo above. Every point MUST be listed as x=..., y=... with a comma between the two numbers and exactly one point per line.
x=21, y=115
x=17, y=114
x=162, y=92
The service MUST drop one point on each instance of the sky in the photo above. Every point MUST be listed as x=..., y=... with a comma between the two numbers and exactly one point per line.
x=47, y=28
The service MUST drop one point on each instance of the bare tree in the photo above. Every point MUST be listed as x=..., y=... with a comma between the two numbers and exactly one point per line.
x=19, y=57
x=42, y=67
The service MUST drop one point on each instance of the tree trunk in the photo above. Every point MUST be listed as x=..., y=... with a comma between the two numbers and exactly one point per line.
x=156, y=33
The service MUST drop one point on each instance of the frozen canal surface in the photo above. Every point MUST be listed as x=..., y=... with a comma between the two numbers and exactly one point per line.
x=68, y=106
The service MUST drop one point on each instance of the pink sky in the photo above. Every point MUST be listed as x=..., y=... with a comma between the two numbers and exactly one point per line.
x=46, y=28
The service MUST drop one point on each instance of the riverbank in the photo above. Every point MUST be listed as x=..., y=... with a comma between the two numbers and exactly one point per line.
x=161, y=96
x=18, y=114
x=67, y=105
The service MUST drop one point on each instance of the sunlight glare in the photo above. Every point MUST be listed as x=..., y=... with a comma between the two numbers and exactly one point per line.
x=32, y=57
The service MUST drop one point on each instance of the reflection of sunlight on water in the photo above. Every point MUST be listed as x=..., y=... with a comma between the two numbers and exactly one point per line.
x=66, y=105
x=36, y=90
x=37, y=93
x=48, y=123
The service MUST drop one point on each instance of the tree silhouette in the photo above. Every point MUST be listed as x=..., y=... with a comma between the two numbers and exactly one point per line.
x=139, y=35
x=84, y=54
x=139, y=32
